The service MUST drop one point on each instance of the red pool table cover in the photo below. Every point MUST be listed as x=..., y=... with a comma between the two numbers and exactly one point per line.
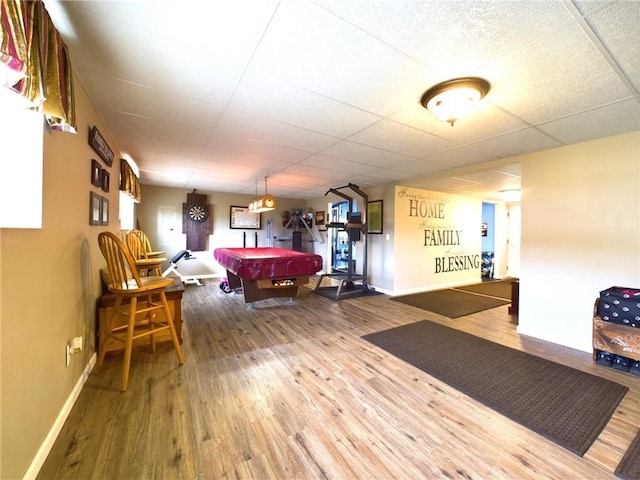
x=255, y=263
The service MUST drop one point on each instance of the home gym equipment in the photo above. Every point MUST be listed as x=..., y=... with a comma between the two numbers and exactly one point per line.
x=357, y=231
x=173, y=268
x=296, y=221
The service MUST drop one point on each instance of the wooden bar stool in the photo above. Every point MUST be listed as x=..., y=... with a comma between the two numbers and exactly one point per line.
x=146, y=301
x=146, y=259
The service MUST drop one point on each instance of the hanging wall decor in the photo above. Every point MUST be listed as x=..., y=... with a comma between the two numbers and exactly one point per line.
x=95, y=206
x=196, y=221
x=100, y=146
x=96, y=173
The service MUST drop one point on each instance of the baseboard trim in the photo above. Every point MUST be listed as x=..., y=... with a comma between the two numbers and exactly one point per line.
x=47, y=445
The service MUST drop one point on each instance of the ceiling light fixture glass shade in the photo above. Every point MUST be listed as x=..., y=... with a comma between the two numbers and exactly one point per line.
x=265, y=203
x=451, y=100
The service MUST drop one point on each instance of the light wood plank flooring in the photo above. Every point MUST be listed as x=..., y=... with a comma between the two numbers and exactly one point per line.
x=292, y=392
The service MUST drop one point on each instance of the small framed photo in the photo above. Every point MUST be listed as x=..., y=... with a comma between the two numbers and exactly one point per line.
x=241, y=217
x=320, y=218
x=104, y=208
x=95, y=209
x=96, y=173
x=374, y=216
x=105, y=180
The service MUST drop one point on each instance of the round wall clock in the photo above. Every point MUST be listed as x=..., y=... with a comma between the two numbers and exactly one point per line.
x=198, y=212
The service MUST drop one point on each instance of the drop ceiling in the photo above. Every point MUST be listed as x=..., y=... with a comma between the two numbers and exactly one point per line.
x=217, y=95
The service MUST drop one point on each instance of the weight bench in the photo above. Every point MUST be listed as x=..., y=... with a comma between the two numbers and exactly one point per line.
x=173, y=268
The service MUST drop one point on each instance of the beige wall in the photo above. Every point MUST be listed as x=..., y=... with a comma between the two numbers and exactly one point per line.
x=49, y=279
x=580, y=234
x=155, y=199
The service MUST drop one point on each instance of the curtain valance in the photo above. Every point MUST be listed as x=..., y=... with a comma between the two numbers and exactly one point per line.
x=34, y=62
x=129, y=181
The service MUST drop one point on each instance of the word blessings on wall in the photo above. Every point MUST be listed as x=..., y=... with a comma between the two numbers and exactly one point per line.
x=440, y=231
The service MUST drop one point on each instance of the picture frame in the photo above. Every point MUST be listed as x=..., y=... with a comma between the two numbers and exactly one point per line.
x=96, y=173
x=105, y=180
x=308, y=218
x=320, y=218
x=104, y=211
x=95, y=209
x=100, y=146
x=242, y=218
x=374, y=217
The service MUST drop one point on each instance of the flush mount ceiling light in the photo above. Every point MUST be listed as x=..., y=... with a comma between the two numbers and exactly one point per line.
x=451, y=100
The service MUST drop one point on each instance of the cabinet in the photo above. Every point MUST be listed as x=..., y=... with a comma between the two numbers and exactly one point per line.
x=174, y=299
x=515, y=298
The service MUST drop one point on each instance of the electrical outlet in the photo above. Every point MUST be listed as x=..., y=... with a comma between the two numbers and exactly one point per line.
x=68, y=354
x=77, y=344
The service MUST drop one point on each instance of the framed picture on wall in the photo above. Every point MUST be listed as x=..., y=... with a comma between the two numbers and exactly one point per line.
x=320, y=217
x=95, y=208
x=104, y=208
x=105, y=180
x=374, y=216
x=241, y=217
x=96, y=173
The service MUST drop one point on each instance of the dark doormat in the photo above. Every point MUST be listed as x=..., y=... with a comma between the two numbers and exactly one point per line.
x=629, y=466
x=565, y=405
x=450, y=303
x=497, y=288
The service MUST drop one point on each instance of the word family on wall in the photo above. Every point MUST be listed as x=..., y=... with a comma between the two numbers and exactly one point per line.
x=439, y=233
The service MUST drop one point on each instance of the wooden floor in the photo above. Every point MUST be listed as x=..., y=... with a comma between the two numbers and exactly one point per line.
x=292, y=392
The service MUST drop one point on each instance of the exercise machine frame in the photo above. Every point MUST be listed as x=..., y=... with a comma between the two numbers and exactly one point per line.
x=349, y=278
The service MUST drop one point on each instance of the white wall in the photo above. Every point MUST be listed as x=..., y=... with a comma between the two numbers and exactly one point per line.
x=437, y=240
x=580, y=234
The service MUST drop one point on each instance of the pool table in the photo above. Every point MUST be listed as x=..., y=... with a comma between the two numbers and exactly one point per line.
x=267, y=272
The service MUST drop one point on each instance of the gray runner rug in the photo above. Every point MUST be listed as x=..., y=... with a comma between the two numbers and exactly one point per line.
x=565, y=405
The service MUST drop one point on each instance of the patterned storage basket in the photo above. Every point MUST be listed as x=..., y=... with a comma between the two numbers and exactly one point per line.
x=620, y=305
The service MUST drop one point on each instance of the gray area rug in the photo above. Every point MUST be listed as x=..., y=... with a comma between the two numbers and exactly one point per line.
x=450, y=303
x=565, y=405
x=496, y=288
x=629, y=466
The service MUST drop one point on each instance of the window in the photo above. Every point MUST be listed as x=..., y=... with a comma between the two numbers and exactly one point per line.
x=127, y=211
x=21, y=163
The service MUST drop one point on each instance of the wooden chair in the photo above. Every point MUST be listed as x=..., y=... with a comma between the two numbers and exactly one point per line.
x=146, y=259
x=149, y=253
x=146, y=298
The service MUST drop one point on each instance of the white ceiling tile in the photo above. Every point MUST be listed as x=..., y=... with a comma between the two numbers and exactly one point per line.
x=620, y=117
x=617, y=26
x=395, y=137
x=541, y=82
x=337, y=164
x=340, y=61
x=456, y=36
x=328, y=91
x=517, y=143
x=149, y=127
x=292, y=105
x=365, y=154
x=274, y=133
